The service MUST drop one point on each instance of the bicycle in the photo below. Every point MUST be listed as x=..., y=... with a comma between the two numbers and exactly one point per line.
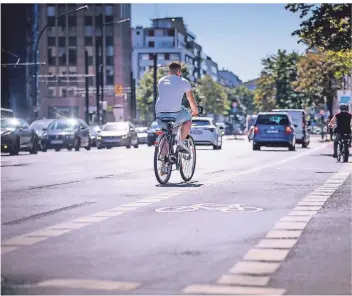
x=343, y=147
x=166, y=153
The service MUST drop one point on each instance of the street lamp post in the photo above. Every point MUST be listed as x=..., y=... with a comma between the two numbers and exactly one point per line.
x=36, y=49
x=102, y=25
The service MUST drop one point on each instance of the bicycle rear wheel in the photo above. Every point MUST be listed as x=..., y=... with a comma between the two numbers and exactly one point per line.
x=188, y=161
x=162, y=158
x=345, y=152
x=339, y=151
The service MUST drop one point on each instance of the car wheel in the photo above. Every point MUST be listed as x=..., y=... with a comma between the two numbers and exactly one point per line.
x=220, y=147
x=34, y=149
x=16, y=147
x=44, y=148
x=69, y=148
x=136, y=146
x=89, y=144
x=128, y=146
x=292, y=147
x=256, y=147
x=77, y=144
x=304, y=145
x=57, y=149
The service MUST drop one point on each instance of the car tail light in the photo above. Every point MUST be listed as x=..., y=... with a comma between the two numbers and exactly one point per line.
x=288, y=130
x=256, y=130
x=159, y=133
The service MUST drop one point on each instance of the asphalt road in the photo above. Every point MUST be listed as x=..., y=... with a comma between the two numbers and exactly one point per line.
x=97, y=222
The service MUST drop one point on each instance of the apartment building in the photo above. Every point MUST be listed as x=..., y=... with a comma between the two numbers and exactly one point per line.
x=228, y=78
x=170, y=40
x=62, y=47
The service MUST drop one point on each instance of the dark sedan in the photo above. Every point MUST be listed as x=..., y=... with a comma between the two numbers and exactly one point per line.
x=16, y=136
x=38, y=127
x=151, y=137
x=66, y=133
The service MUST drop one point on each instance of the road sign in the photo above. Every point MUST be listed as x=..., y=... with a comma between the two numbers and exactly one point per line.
x=118, y=89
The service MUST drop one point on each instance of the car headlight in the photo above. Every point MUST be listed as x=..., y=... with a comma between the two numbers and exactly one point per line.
x=6, y=133
x=124, y=137
x=99, y=137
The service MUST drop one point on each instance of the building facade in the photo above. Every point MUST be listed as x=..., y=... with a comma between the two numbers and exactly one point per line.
x=211, y=69
x=62, y=47
x=228, y=78
x=170, y=40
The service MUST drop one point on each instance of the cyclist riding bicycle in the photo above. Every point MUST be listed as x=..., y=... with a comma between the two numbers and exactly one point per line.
x=343, y=121
x=172, y=87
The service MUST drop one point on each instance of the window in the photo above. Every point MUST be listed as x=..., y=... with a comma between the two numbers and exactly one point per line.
x=161, y=56
x=72, y=41
x=62, y=56
x=273, y=120
x=50, y=92
x=64, y=92
x=51, y=58
x=98, y=31
x=167, y=56
x=110, y=51
x=151, y=44
x=71, y=92
x=109, y=19
x=109, y=30
x=108, y=10
x=51, y=41
x=109, y=80
x=88, y=21
x=72, y=21
x=109, y=61
x=90, y=61
x=72, y=56
x=62, y=41
x=170, y=32
x=51, y=21
x=61, y=9
x=138, y=32
x=88, y=41
x=91, y=81
x=61, y=21
x=145, y=57
x=151, y=56
x=51, y=10
x=109, y=70
x=109, y=40
x=98, y=9
x=98, y=21
x=88, y=31
x=151, y=33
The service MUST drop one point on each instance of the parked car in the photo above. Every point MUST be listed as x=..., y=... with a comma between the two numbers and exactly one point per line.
x=221, y=127
x=94, y=132
x=16, y=136
x=303, y=127
x=274, y=129
x=205, y=132
x=66, y=133
x=151, y=137
x=115, y=134
x=142, y=134
x=38, y=127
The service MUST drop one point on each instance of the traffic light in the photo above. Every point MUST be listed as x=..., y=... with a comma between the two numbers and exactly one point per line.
x=118, y=89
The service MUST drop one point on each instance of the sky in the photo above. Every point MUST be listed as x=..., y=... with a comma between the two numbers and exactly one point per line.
x=236, y=36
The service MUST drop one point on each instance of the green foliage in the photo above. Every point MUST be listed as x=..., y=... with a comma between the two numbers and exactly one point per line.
x=212, y=96
x=325, y=26
x=275, y=84
x=244, y=97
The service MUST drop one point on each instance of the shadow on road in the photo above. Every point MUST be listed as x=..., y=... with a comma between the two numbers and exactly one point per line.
x=181, y=185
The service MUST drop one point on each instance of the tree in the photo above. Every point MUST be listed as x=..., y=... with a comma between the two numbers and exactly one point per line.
x=212, y=96
x=327, y=26
x=275, y=84
x=321, y=74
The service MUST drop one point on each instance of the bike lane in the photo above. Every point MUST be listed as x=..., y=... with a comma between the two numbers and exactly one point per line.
x=164, y=252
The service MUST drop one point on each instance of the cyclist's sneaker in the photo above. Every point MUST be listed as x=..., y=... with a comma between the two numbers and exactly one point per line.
x=334, y=156
x=182, y=147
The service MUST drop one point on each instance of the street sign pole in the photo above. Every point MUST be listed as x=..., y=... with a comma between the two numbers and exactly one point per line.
x=86, y=82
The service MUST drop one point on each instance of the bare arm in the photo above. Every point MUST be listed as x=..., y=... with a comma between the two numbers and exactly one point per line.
x=192, y=102
x=332, y=122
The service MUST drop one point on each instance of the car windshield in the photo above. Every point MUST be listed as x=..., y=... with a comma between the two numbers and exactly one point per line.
x=200, y=122
x=37, y=125
x=120, y=126
x=63, y=125
x=9, y=123
x=267, y=119
x=141, y=129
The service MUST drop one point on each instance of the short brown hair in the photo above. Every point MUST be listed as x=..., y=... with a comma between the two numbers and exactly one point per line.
x=175, y=66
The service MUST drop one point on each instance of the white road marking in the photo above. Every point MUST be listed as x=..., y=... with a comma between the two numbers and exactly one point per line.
x=89, y=284
x=106, y=214
x=306, y=208
x=90, y=219
x=256, y=268
x=231, y=290
x=311, y=203
x=49, y=232
x=284, y=234
x=296, y=218
x=5, y=249
x=245, y=280
x=302, y=213
x=23, y=240
x=69, y=225
x=290, y=225
x=266, y=255
x=276, y=243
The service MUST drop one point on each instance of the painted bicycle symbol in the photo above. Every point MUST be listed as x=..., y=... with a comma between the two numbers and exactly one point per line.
x=210, y=207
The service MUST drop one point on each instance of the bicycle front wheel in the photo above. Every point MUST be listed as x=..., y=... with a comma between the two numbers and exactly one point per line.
x=162, y=161
x=346, y=152
x=188, y=161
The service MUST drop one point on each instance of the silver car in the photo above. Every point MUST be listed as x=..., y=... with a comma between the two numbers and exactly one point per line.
x=205, y=132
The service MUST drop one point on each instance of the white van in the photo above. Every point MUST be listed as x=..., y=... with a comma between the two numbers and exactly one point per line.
x=302, y=126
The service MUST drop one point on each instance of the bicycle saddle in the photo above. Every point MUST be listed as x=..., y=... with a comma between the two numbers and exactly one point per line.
x=168, y=119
